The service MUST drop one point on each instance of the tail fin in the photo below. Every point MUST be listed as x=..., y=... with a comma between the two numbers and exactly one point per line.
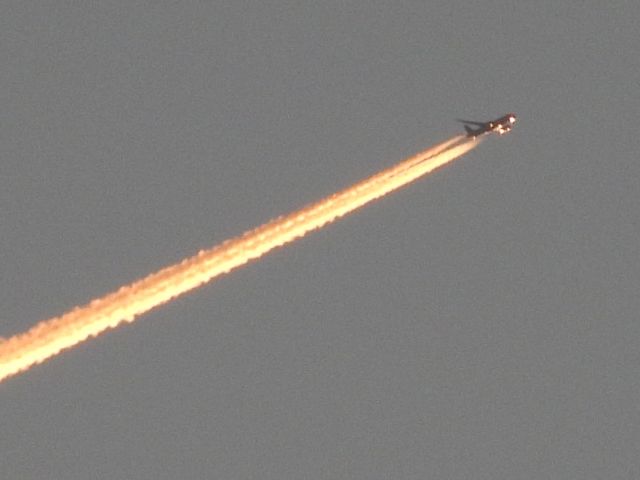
x=467, y=129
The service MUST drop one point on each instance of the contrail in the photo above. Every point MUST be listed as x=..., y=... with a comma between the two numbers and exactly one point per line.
x=49, y=337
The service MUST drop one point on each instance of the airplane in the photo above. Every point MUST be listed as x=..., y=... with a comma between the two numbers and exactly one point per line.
x=500, y=126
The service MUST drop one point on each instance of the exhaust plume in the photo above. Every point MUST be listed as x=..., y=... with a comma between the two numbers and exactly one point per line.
x=50, y=337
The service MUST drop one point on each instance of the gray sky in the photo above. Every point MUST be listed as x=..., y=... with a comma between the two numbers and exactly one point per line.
x=481, y=323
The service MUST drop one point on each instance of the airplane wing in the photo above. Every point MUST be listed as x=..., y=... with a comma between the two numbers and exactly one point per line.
x=470, y=122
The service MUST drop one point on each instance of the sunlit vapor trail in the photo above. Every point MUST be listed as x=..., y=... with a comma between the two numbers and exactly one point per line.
x=49, y=337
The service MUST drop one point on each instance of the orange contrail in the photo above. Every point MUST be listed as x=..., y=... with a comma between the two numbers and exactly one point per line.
x=49, y=337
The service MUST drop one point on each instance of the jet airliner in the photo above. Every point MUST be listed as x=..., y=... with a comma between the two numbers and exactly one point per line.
x=500, y=126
